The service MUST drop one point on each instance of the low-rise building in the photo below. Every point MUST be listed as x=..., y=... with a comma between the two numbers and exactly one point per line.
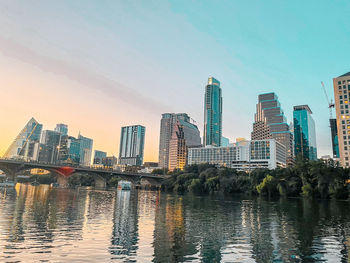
x=268, y=154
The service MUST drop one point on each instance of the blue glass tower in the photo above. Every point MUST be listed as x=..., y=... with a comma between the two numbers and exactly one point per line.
x=212, y=113
x=304, y=132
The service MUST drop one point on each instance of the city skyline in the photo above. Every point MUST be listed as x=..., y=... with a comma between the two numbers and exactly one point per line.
x=113, y=82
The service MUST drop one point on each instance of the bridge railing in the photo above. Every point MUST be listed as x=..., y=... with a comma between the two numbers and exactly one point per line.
x=58, y=165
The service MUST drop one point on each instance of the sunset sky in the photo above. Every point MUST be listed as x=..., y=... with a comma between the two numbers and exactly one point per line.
x=100, y=65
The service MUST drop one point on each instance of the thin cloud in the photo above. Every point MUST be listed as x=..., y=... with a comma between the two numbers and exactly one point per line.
x=83, y=76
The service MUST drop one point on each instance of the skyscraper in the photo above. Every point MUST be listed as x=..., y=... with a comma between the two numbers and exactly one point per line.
x=85, y=150
x=212, y=113
x=168, y=123
x=69, y=150
x=185, y=134
x=26, y=144
x=132, y=141
x=304, y=132
x=270, y=122
x=49, y=146
x=62, y=128
x=341, y=87
x=99, y=156
x=335, y=140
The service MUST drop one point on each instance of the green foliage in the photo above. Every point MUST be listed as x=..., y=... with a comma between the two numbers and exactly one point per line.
x=318, y=179
x=268, y=186
x=81, y=180
x=160, y=171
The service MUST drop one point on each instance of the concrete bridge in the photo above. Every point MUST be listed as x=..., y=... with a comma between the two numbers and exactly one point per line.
x=13, y=168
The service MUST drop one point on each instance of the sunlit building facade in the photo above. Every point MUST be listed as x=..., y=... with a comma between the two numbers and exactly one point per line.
x=304, y=133
x=169, y=123
x=341, y=86
x=271, y=123
x=85, y=150
x=212, y=113
x=26, y=144
x=185, y=134
x=268, y=154
x=132, y=142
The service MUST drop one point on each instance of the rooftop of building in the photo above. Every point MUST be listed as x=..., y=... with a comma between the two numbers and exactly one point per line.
x=302, y=107
x=213, y=81
x=345, y=75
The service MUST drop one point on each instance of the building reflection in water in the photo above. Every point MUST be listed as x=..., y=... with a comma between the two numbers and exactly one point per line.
x=41, y=223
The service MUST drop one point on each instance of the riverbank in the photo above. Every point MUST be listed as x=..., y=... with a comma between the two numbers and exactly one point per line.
x=315, y=179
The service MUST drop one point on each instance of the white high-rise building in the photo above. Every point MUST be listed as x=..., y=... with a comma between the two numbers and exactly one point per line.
x=268, y=154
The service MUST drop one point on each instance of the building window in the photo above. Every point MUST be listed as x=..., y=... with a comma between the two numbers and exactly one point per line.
x=339, y=82
x=345, y=148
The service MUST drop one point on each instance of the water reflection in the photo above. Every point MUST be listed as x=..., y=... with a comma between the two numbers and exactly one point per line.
x=41, y=223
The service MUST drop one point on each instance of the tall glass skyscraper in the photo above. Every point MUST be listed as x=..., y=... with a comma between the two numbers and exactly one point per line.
x=26, y=144
x=334, y=134
x=49, y=146
x=85, y=150
x=212, y=113
x=304, y=132
x=270, y=123
x=132, y=141
x=62, y=128
x=69, y=150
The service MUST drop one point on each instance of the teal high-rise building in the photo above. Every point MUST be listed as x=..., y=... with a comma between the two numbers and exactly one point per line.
x=212, y=113
x=304, y=132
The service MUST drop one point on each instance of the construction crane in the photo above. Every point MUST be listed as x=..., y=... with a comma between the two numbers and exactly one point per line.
x=330, y=102
x=333, y=124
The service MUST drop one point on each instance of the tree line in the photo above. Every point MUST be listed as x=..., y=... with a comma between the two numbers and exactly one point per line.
x=317, y=179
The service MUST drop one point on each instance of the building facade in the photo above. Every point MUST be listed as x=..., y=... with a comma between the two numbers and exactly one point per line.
x=212, y=113
x=99, y=156
x=270, y=123
x=26, y=144
x=185, y=134
x=85, y=150
x=341, y=86
x=168, y=124
x=132, y=141
x=62, y=128
x=268, y=154
x=335, y=140
x=49, y=146
x=304, y=133
x=69, y=150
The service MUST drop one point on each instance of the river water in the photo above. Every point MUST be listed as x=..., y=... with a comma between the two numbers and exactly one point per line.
x=40, y=224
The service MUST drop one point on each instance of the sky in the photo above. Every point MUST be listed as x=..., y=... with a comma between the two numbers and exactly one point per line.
x=100, y=65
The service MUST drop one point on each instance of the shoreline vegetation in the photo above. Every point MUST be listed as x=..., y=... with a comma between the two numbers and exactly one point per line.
x=321, y=179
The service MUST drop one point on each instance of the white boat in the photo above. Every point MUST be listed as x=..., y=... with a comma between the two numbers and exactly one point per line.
x=124, y=185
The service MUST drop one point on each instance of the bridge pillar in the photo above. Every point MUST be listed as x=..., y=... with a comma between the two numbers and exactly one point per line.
x=100, y=182
x=62, y=180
